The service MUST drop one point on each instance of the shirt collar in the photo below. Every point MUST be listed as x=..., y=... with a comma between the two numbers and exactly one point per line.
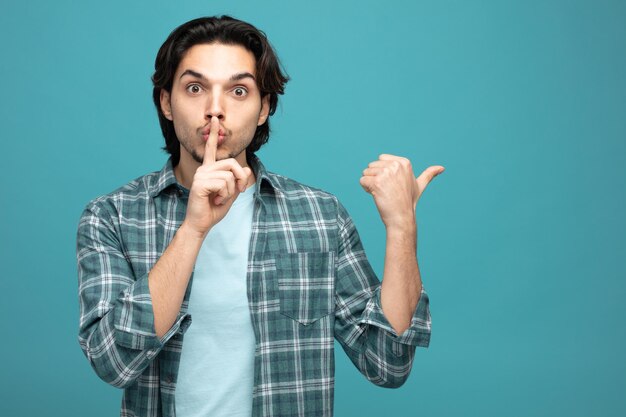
x=263, y=176
x=166, y=177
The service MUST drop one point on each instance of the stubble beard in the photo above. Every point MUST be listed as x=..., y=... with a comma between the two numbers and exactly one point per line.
x=200, y=158
x=191, y=150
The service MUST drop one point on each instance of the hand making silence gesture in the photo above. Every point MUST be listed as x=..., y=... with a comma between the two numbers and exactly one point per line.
x=216, y=184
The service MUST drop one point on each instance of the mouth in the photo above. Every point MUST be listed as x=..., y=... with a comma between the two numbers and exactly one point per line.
x=220, y=135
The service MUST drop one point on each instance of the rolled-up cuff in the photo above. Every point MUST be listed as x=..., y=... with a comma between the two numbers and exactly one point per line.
x=417, y=334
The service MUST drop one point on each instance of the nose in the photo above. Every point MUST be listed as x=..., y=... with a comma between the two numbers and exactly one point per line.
x=215, y=106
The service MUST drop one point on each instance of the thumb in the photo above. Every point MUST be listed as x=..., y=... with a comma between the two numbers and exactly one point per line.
x=219, y=200
x=426, y=177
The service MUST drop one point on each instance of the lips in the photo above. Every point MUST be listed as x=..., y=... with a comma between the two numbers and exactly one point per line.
x=207, y=130
x=221, y=134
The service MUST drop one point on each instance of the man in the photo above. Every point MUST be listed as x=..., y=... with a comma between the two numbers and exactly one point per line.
x=270, y=270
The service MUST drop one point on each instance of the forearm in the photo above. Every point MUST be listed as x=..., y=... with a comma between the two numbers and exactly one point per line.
x=402, y=284
x=169, y=278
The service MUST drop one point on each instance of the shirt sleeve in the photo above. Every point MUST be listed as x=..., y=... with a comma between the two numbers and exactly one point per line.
x=116, y=330
x=379, y=353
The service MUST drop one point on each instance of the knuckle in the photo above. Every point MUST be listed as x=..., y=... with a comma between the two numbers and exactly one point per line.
x=197, y=178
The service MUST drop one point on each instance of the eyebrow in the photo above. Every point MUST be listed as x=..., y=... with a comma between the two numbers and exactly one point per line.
x=235, y=77
x=241, y=76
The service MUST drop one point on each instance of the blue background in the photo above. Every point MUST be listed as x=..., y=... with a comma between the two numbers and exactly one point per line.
x=521, y=240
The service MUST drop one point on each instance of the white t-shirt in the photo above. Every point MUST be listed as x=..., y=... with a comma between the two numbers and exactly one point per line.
x=217, y=361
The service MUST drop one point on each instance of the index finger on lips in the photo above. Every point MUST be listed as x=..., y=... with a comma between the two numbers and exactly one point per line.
x=210, y=148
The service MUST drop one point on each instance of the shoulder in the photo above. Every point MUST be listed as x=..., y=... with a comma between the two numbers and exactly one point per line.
x=292, y=189
x=135, y=193
x=304, y=201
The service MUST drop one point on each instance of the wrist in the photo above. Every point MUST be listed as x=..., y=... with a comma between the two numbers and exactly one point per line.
x=188, y=233
x=401, y=227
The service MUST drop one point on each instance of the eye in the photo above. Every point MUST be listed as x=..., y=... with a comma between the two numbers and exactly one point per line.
x=240, y=92
x=194, y=88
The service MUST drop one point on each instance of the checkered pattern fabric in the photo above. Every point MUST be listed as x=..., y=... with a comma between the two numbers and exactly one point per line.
x=308, y=282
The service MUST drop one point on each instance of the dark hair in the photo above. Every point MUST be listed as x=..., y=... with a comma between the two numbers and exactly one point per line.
x=270, y=78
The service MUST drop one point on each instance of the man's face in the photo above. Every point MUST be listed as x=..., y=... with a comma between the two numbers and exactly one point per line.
x=215, y=80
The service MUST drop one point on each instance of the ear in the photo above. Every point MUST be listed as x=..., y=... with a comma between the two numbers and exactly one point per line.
x=265, y=109
x=166, y=106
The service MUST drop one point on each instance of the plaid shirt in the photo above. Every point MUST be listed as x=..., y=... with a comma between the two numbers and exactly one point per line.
x=308, y=282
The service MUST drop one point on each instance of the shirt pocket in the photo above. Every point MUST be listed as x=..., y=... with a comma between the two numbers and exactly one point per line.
x=306, y=285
